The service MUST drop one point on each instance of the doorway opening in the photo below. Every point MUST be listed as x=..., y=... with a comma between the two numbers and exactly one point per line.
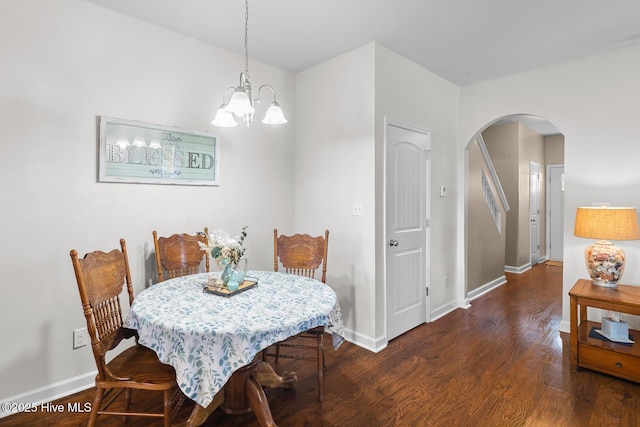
x=519, y=149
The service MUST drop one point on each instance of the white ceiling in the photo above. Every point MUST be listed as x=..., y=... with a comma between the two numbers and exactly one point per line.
x=463, y=41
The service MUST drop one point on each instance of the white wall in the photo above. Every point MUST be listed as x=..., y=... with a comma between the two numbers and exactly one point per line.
x=335, y=166
x=342, y=105
x=410, y=94
x=62, y=64
x=594, y=103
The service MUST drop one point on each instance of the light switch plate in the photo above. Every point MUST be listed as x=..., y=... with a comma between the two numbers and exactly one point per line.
x=443, y=191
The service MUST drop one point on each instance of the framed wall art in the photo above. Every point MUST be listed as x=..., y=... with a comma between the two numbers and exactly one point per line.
x=136, y=152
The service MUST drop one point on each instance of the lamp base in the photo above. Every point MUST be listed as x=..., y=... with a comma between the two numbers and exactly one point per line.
x=605, y=263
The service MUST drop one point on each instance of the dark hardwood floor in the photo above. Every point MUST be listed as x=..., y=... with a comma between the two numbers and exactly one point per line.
x=500, y=363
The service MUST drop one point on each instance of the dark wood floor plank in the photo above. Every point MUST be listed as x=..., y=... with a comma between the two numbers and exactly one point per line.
x=500, y=363
x=554, y=409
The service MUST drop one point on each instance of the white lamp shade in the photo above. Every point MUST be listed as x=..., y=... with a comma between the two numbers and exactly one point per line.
x=274, y=115
x=240, y=104
x=224, y=118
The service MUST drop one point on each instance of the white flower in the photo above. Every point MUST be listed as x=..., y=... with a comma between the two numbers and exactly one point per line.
x=221, y=246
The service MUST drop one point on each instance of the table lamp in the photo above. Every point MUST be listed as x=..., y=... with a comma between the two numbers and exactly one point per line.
x=605, y=262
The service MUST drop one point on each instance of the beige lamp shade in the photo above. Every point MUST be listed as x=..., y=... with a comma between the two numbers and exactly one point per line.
x=606, y=223
x=605, y=261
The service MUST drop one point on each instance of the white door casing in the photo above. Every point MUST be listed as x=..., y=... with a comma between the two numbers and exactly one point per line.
x=555, y=210
x=534, y=211
x=406, y=214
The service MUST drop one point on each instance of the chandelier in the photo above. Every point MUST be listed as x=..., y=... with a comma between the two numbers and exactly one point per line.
x=241, y=103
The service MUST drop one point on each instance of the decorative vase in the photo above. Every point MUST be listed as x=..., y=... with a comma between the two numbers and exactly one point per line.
x=233, y=284
x=605, y=263
x=233, y=274
x=236, y=275
x=226, y=274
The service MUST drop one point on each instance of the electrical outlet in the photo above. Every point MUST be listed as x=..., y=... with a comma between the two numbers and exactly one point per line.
x=357, y=209
x=446, y=281
x=79, y=338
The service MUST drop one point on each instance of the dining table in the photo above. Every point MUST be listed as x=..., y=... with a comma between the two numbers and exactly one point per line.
x=214, y=340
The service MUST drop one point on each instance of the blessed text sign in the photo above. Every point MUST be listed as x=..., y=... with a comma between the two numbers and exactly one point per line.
x=133, y=151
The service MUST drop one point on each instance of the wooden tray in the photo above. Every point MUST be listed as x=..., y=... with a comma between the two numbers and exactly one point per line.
x=244, y=286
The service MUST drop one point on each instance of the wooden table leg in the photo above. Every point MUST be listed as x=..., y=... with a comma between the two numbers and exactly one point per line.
x=235, y=394
x=199, y=414
x=243, y=393
x=573, y=331
x=258, y=402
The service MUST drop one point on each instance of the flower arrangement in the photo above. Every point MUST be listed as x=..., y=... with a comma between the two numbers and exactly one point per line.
x=223, y=248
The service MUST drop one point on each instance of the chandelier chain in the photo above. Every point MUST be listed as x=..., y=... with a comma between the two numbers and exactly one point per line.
x=246, y=39
x=241, y=99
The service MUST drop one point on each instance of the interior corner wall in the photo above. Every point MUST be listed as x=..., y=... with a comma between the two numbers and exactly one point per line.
x=531, y=150
x=334, y=168
x=64, y=63
x=486, y=243
x=503, y=145
x=554, y=149
x=344, y=143
x=410, y=94
x=593, y=102
x=512, y=147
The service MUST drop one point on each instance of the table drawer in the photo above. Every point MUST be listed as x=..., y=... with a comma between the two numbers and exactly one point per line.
x=609, y=362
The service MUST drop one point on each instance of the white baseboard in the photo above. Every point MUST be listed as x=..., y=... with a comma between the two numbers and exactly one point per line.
x=466, y=303
x=487, y=287
x=368, y=343
x=443, y=310
x=52, y=392
x=517, y=270
x=564, y=326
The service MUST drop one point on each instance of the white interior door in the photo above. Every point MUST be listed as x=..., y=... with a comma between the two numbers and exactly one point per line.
x=534, y=211
x=556, y=211
x=406, y=229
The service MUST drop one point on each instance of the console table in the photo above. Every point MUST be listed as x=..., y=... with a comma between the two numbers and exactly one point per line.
x=611, y=358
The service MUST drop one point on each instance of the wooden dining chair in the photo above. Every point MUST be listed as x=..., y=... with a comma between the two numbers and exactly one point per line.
x=101, y=277
x=303, y=255
x=180, y=254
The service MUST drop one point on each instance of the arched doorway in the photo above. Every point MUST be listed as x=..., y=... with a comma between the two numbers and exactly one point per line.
x=503, y=159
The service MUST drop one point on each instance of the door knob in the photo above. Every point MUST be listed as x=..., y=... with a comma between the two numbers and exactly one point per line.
x=393, y=242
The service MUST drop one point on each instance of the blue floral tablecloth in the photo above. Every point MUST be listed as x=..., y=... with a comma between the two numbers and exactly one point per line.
x=207, y=337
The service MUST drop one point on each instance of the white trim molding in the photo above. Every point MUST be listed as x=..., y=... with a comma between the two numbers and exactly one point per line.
x=372, y=344
x=487, y=287
x=51, y=392
x=517, y=270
